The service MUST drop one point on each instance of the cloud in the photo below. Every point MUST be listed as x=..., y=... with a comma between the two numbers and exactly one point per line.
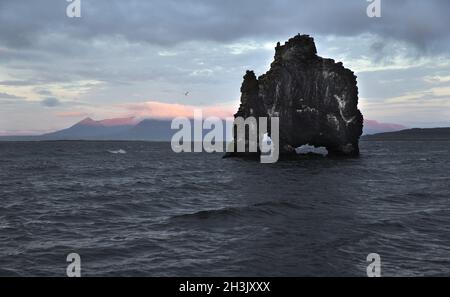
x=72, y=114
x=50, y=102
x=9, y=96
x=160, y=110
x=122, y=51
x=43, y=92
x=16, y=83
x=373, y=127
x=168, y=22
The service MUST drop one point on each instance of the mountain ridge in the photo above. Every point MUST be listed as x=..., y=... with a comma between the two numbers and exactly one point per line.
x=133, y=129
x=441, y=133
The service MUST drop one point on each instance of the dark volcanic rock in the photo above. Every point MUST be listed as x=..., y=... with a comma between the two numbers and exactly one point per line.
x=316, y=99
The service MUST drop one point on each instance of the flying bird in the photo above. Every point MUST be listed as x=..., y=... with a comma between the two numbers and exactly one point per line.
x=186, y=94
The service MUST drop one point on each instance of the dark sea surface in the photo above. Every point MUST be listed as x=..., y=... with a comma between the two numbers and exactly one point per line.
x=151, y=212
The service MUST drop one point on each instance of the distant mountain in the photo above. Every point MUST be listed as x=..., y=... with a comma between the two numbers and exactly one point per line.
x=159, y=130
x=412, y=134
x=88, y=129
x=374, y=127
x=110, y=129
x=149, y=130
x=130, y=121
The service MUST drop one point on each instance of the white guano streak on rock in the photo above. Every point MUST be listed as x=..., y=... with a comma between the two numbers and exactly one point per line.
x=342, y=103
x=272, y=112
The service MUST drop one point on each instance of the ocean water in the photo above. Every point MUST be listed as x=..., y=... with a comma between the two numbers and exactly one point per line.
x=138, y=209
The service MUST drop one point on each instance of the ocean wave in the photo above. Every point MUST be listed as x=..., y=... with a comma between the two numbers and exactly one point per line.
x=153, y=212
x=118, y=152
x=263, y=208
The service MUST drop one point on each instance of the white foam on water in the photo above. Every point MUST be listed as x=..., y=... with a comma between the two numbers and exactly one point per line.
x=309, y=149
x=121, y=151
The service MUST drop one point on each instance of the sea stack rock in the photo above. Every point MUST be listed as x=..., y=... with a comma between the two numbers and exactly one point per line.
x=316, y=100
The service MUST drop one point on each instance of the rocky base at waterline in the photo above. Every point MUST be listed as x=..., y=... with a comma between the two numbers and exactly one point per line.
x=315, y=99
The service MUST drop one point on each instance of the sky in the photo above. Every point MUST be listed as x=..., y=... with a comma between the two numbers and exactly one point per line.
x=162, y=58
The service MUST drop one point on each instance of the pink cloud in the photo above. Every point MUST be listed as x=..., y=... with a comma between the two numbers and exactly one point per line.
x=130, y=121
x=372, y=127
x=160, y=110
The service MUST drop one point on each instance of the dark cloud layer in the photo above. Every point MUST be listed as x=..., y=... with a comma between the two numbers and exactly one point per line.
x=15, y=83
x=9, y=96
x=167, y=22
x=127, y=51
x=50, y=102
